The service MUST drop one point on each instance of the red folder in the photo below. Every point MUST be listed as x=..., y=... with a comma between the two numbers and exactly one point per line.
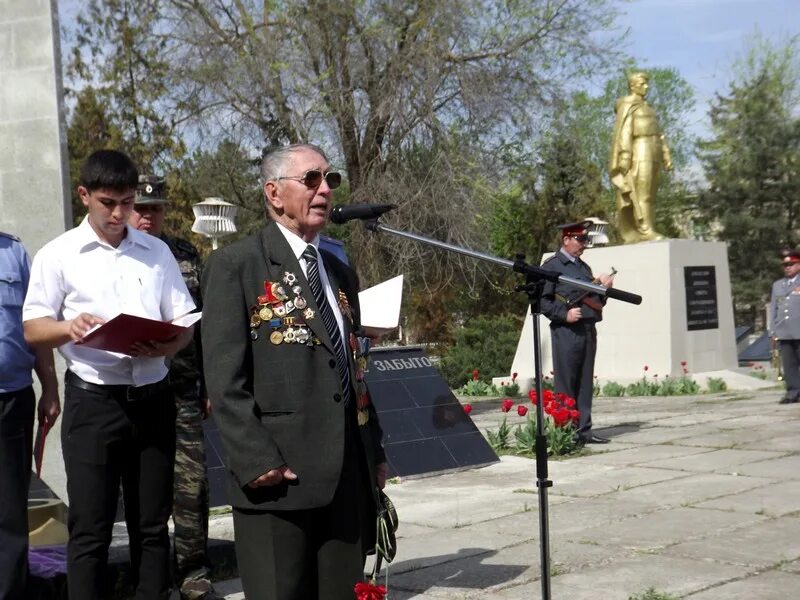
x=38, y=446
x=121, y=332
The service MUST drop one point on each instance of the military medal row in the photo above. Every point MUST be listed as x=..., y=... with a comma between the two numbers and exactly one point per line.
x=275, y=307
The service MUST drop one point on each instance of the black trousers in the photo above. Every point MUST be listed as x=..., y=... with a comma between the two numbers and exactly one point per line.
x=16, y=440
x=108, y=439
x=308, y=554
x=790, y=360
x=574, y=349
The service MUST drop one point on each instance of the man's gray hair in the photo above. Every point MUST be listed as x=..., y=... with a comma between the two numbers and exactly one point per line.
x=275, y=162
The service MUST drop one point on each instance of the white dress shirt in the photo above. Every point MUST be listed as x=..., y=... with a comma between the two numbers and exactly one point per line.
x=299, y=246
x=78, y=273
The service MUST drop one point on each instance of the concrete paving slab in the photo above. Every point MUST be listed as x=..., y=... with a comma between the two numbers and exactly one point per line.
x=786, y=443
x=771, y=500
x=489, y=573
x=619, y=579
x=603, y=479
x=773, y=585
x=638, y=455
x=689, y=490
x=787, y=467
x=660, y=435
x=664, y=528
x=728, y=438
x=692, y=418
x=717, y=460
x=762, y=544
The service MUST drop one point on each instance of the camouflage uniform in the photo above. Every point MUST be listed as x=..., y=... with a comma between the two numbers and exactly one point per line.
x=190, y=510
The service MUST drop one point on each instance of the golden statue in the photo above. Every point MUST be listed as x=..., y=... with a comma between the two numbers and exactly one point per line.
x=638, y=151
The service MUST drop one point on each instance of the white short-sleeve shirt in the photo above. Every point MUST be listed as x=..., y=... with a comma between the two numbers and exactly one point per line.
x=77, y=272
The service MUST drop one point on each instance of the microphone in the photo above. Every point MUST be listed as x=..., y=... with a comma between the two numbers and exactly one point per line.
x=365, y=212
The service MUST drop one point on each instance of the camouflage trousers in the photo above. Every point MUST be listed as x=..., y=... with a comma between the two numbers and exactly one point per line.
x=190, y=501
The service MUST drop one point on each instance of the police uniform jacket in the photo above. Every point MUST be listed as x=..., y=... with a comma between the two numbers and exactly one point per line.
x=279, y=403
x=784, y=309
x=558, y=298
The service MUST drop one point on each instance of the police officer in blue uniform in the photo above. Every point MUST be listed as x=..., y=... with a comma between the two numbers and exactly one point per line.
x=784, y=323
x=573, y=314
x=17, y=400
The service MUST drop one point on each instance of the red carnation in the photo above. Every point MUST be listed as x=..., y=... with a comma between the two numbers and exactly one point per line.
x=475, y=374
x=369, y=591
x=514, y=376
x=522, y=410
x=468, y=408
x=507, y=404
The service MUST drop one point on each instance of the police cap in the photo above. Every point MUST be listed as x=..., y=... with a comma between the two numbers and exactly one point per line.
x=150, y=190
x=578, y=228
x=789, y=257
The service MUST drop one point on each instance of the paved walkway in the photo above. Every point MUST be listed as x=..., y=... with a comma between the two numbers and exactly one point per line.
x=698, y=497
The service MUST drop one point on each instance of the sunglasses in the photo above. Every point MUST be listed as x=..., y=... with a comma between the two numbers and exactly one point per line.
x=583, y=238
x=314, y=177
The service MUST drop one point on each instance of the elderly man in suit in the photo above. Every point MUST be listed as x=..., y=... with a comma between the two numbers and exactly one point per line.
x=784, y=323
x=284, y=373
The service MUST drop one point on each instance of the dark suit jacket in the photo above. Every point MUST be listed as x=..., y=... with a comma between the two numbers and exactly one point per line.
x=276, y=404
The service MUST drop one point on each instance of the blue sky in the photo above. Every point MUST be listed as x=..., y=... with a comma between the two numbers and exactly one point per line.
x=702, y=38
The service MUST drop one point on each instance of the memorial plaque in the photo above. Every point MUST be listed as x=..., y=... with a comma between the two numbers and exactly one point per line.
x=701, y=298
x=425, y=428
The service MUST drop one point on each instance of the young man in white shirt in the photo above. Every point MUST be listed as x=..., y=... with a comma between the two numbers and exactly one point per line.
x=119, y=412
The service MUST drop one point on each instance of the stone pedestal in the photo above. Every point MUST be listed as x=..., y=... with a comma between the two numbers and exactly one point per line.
x=668, y=327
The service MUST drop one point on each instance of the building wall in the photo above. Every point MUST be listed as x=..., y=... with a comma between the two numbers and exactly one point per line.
x=34, y=171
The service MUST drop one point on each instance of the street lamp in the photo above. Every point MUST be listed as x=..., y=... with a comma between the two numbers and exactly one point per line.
x=214, y=218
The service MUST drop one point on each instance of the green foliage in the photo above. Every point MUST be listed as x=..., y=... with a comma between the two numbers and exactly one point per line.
x=498, y=440
x=560, y=440
x=642, y=387
x=652, y=594
x=716, y=384
x=751, y=167
x=525, y=436
x=478, y=387
x=487, y=342
x=509, y=389
x=614, y=389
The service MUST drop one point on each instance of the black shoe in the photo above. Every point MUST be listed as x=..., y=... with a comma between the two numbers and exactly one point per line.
x=788, y=401
x=595, y=439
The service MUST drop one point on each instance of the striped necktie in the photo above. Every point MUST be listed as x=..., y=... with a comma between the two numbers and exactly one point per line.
x=325, y=311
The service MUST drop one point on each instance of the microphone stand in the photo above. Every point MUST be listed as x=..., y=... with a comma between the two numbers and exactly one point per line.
x=535, y=278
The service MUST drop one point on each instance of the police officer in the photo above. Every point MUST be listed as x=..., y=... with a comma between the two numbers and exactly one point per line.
x=190, y=501
x=784, y=323
x=573, y=314
x=119, y=415
x=17, y=360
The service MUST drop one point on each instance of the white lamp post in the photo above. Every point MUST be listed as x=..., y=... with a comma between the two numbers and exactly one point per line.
x=214, y=218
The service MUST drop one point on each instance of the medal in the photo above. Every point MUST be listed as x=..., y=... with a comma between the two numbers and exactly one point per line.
x=308, y=314
x=253, y=335
x=297, y=290
x=265, y=314
x=344, y=305
x=289, y=306
x=255, y=320
x=276, y=337
x=300, y=302
x=289, y=335
x=278, y=291
x=363, y=417
x=302, y=335
x=279, y=310
x=289, y=278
